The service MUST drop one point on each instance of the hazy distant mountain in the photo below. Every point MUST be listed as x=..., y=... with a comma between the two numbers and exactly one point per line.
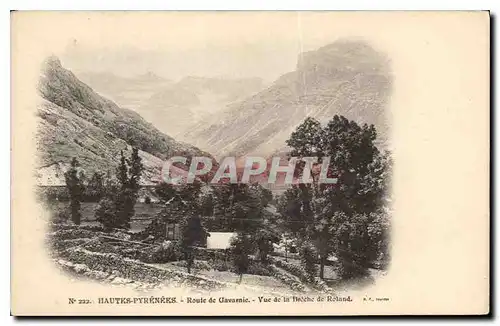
x=172, y=107
x=74, y=121
x=176, y=108
x=229, y=89
x=128, y=92
x=347, y=78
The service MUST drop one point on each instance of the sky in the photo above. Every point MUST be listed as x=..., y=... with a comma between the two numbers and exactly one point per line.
x=174, y=45
x=236, y=61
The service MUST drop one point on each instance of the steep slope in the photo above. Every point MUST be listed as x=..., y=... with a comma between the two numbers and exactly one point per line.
x=345, y=77
x=74, y=121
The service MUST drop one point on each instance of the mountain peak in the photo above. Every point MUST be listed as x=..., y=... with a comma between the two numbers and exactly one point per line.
x=346, y=77
x=150, y=76
x=343, y=56
x=53, y=62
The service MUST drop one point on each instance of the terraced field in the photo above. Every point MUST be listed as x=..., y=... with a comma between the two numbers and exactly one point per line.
x=119, y=258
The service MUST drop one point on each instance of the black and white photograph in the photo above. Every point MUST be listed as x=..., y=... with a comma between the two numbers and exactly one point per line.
x=250, y=159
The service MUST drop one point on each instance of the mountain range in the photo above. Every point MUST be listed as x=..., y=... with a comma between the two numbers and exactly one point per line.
x=75, y=121
x=173, y=106
x=347, y=78
x=223, y=117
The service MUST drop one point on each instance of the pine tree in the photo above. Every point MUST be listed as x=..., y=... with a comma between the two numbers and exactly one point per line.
x=75, y=189
x=95, y=188
x=135, y=169
x=123, y=196
x=122, y=171
x=129, y=174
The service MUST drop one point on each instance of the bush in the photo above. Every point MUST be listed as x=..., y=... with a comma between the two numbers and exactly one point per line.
x=206, y=254
x=120, y=235
x=197, y=264
x=163, y=253
x=106, y=213
x=156, y=228
x=258, y=268
x=293, y=283
x=320, y=285
x=300, y=273
x=254, y=267
x=348, y=268
x=221, y=265
x=61, y=215
x=308, y=260
x=361, y=240
x=291, y=268
x=133, y=253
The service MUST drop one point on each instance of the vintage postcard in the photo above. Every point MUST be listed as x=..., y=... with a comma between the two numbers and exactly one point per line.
x=250, y=163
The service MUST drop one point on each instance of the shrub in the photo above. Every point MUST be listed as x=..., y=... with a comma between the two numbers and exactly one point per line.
x=106, y=213
x=133, y=253
x=221, y=265
x=360, y=242
x=291, y=282
x=349, y=268
x=162, y=254
x=293, y=269
x=197, y=264
x=61, y=215
x=207, y=254
x=320, y=285
x=308, y=260
x=258, y=268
